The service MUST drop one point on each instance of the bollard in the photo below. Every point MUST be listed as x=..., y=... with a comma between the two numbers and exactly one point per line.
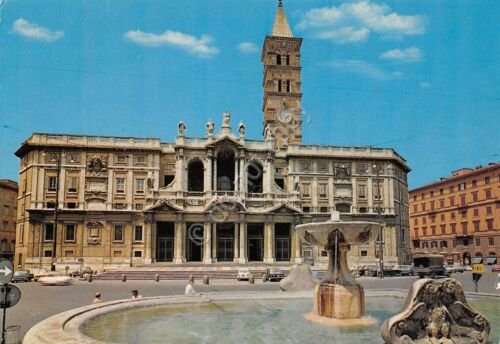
x=124, y=278
x=206, y=280
x=251, y=279
x=191, y=278
x=89, y=278
x=264, y=277
x=157, y=277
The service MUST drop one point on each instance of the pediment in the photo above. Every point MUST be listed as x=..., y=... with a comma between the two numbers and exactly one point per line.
x=226, y=205
x=284, y=208
x=163, y=205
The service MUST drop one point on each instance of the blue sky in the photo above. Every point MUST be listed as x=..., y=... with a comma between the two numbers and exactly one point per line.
x=419, y=76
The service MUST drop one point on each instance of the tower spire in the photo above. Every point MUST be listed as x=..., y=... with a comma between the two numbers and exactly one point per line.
x=281, y=27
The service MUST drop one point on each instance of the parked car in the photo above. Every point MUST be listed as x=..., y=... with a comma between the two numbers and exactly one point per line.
x=431, y=265
x=243, y=274
x=495, y=268
x=274, y=274
x=83, y=271
x=22, y=276
x=319, y=275
x=459, y=268
x=404, y=270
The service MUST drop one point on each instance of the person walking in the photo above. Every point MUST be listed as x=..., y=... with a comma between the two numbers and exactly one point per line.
x=189, y=289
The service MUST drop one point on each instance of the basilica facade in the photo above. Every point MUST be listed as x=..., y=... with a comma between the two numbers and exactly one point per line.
x=111, y=202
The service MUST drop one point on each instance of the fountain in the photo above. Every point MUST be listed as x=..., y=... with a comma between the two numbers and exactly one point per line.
x=338, y=296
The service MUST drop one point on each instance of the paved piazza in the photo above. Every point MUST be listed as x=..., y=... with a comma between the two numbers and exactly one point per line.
x=50, y=300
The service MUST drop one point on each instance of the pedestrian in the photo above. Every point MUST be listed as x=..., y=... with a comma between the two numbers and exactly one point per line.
x=136, y=295
x=189, y=289
x=97, y=298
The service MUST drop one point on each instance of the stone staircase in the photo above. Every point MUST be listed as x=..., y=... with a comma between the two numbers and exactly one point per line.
x=183, y=271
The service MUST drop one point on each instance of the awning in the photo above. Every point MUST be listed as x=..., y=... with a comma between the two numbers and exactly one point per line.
x=491, y=260
x=477, y=260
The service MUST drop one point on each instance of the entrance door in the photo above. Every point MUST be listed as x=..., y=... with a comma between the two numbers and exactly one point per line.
x=225, y=242
x=194, y=240
x=282, y=243
x=165, y=250
x=165, y=241
x=255, y=241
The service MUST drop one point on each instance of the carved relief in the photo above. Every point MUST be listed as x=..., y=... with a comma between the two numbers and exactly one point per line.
x=436, y=311
x=97, y=164
x=341, y=172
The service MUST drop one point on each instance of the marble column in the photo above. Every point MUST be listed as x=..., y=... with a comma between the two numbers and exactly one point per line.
x=269, y=242
x=243, y=177
x=147, y=243
x=153, y=241
x=236, y=250
x=243, y=243
x=208, y=176
x=179, y=254
x=207, y=243
x=214, y=242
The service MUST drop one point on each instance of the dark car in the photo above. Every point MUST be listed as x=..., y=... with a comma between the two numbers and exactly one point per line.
x=274, y=274
x=22, y=276
x=431, y=265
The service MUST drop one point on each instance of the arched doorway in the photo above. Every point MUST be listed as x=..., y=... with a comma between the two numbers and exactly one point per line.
x=225, y=170
x=255, y=173
x=195, y=176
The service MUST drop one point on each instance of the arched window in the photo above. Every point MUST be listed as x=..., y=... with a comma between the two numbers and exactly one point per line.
x=195, y=176
x=255, y=174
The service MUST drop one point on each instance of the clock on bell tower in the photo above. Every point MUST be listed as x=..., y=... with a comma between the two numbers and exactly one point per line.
x=282, y=83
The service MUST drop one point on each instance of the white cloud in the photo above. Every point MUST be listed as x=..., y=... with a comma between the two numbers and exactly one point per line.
x=247, y=48
x=345, y=35
x=363, y=15
x=196, y=46
x=364, y=68
x=425, y=84
x=405, y=55
x=25, y=28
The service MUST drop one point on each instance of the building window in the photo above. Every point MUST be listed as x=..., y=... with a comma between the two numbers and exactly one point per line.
x=452, y=201
x=424, y=220
x=364, y=253
x=52, y=183
x=306, y=190
x=491, y=241
x=443, y=229
x=433, y=230
x=118, y=233
x=454, y=243
x=487, y=180
x=464, y=228
x=168, y=179
x=489, y=224
x=47, y=253
x=478, y=241
x=72, y=184
x=488, y=211
x=434, y=244
x=453, y=228
x=362, y=191
x=476, y=226
x=424, y=231
x=415, y=221
x=475, y=212
x=423, y=206
x=49, y=232
x=451, y=188
x=462, y=200
x=441, y=203
x=452, y=215
x=139, y=206
x=432, y=193
x=322, y=166
x=461, y=186
x=415, y=210
x=120, y=185
x=464, y=214
x=137, y=254
x=474, y=183
x=474, y=197
x=488, y=193
x=323, y=190
x=444, y=244
x=432, y=205
x=69, y=234
x=138, y=233
x=306, y=209
x=442, y=217
x=139, y=186
x=140, y=160
x=121, y=159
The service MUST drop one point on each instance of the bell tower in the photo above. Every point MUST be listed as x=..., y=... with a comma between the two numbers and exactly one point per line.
x=282, y=84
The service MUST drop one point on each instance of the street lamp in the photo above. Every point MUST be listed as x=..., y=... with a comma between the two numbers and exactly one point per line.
x=380, y=235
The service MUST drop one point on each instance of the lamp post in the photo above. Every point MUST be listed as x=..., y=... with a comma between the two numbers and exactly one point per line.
x=380, y=236
x=56, y=208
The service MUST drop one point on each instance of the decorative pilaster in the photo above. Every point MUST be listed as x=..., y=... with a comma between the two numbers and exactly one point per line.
x=236, y=251
x=214, y=242
x=179, y=253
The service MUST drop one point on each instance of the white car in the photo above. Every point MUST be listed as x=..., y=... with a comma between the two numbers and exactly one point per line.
x=243, y=274
x=55, y=280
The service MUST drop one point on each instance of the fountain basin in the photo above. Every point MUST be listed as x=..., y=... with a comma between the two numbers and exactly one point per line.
x=261, y=317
